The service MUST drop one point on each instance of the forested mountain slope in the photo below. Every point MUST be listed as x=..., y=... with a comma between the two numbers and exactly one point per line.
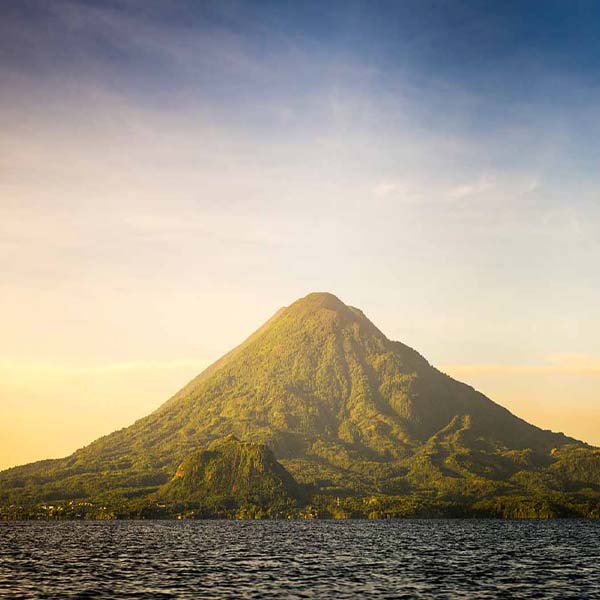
x=345, y=410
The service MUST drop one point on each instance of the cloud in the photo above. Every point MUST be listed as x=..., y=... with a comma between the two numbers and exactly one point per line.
x=21, y=371
x=507, y=184
x=502, y=186
x=397, y=190
x=564, y=364
x=465, y=190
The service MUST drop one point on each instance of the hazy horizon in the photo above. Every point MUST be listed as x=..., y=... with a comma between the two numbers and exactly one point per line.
x=173, y=173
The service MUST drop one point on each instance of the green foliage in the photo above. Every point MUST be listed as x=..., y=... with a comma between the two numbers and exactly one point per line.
x=349, y=415
x=232, y=474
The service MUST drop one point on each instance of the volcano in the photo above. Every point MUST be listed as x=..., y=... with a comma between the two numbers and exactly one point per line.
x=347, y=413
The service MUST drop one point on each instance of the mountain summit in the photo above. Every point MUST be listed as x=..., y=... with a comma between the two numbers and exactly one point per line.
x=346, y=411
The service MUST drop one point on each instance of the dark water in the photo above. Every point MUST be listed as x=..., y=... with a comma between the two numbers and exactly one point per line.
x=301, y=559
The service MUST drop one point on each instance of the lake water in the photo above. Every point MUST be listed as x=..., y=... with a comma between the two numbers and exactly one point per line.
x=300, y=559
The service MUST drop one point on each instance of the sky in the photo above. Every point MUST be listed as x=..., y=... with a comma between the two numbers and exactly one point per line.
x=172, y=173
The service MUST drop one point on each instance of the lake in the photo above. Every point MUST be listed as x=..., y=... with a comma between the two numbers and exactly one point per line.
x=301, y=559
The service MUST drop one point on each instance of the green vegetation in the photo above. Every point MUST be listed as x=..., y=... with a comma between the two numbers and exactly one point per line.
x=231, y=475
x=360, y=426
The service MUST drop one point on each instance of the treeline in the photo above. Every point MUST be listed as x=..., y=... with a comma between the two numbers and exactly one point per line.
x=319, y=507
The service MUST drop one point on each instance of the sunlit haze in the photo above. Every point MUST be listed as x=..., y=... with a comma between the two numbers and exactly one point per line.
x=172, y=173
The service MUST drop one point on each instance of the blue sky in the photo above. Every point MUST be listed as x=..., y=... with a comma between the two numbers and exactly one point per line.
x=171, y=173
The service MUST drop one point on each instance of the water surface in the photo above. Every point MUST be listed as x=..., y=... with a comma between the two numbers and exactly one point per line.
x=300, y=559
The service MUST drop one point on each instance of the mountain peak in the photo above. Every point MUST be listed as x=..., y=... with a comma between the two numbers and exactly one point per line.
x=318, y=300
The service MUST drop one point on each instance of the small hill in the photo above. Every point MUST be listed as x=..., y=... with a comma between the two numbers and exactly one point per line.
x=231, y=473
x=347, y=412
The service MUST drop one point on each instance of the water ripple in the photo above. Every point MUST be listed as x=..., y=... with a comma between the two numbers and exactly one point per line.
x=301, y=559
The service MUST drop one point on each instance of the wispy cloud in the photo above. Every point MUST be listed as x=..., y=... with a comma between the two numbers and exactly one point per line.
x=510, y=185
x=564, y=364
x=483, y=184
x=397, y=190
x=21, y=371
